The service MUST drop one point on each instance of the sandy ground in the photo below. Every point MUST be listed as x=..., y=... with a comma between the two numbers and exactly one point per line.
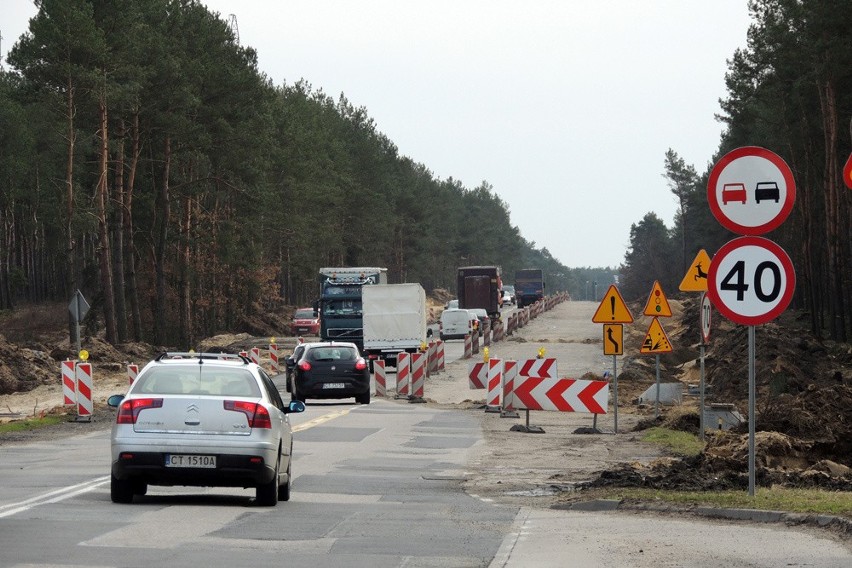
x=513, y=467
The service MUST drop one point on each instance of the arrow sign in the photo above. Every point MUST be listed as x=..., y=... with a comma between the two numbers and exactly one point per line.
x=562, y=395
x=613, y=339
x=544, y=368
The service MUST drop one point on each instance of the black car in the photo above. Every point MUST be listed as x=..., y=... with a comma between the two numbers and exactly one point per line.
x=331, y=370
x=290, y=364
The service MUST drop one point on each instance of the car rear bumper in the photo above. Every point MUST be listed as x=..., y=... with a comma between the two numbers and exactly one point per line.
x=230, y=470
x=316, y=389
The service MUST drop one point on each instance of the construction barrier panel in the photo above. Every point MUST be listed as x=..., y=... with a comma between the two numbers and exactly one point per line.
x=468, y=346
x=562, y=395
x=432, y=358
x=477, y=375
x=84, y=391
x=132, y=372
x=543, y=368
x=440, y=355
x=255, y=355
x=510, y=373
x=486, y=333
x=418, y=374
x=495, y=384
x=403, y=370
x=69, y=381
x=474, y=342
x=380, y=377
x=273, y=358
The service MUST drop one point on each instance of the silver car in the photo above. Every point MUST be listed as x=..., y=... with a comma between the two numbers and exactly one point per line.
x=202, y=419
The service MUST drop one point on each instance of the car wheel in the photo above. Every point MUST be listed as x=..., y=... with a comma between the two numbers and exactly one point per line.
x=267, y=493
x=120, y=490
x=140, y=488
x=284, y=490
x=363, y=398
x=287, y=384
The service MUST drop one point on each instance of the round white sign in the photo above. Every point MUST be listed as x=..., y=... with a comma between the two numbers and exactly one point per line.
x=705, y=318
x=751, y=280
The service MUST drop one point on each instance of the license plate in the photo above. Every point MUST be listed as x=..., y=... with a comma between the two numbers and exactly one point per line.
x=187, y=460
x=332, y=386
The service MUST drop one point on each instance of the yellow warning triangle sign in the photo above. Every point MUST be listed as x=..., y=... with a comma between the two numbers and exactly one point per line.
x=657, y=305
x=612, y=308
x=656, y=340
x=696, y=277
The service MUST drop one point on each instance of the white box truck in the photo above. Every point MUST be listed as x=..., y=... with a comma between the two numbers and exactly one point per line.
x=395, y=320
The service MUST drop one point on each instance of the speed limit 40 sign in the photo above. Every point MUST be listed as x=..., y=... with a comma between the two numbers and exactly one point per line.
x=751, y=280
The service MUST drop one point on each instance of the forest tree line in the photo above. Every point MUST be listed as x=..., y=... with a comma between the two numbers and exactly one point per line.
x=790, y=91
x=145, y=160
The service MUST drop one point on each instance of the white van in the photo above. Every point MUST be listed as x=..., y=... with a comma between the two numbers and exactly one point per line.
x=455, y=324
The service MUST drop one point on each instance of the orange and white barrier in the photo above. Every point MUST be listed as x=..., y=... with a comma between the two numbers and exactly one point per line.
x=510, y=373
x=495, y=384
x=132, y=372
x=69, y=382
x=477, y=375
x=273, y=358
x=403, y=371
x=468, y=346
x=380, y=377
x=85, y=407
x=418, y=374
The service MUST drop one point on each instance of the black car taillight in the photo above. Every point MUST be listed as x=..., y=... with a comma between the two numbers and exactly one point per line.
x=128, y=411
x=305, y=366
x=360, y=364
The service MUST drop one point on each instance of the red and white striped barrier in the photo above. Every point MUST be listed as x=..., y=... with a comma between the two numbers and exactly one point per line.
x=132, y=372
x=403, y=370
x=495, y=384
x=468, y=346
x=243, y=353
x=255, y=355
x=474, y=342
x=273, y=358
x=477, y=375
x=510, y=373
x=486, y=332
x=542, y=368
x=563, y=395
x=497, y=333
x=430, y=359
x=380, y=377
x=439, y=356
x=84, y=391
x=418, y=374
x=69, y=382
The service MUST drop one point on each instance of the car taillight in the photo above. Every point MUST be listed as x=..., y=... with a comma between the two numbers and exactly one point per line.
x=305, y=366
x=360, y=364
x=256, y=414
x=128, y=411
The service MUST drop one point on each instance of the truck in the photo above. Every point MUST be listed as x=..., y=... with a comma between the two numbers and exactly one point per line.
x=339, y=306
x=395, y=320
x=529, y=286
x=480, y=287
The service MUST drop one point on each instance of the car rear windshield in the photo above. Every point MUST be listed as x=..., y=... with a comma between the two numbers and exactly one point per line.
x=304, y=314
x=332, y=354
x=192, y=380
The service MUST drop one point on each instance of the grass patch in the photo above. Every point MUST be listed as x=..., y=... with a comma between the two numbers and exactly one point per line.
x=814, y=501
x=32, y=423
x=676, y=441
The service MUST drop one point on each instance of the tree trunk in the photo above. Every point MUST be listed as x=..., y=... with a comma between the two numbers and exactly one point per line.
x=118, y=239
x=104, y=249
x=183, y=290
x=129, y=245
x=70, y=266
x=160, y=248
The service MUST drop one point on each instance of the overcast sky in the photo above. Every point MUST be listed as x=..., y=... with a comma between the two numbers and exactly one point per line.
x=565, y=107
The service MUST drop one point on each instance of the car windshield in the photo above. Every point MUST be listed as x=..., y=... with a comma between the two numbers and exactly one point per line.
x=331, y=354
x=197, y=380
x=304, y=314
x=342, y=308
x=509, y=289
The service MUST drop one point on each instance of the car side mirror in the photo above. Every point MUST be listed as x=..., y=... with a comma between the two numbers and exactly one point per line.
x=429, y=332
x=296, y=406
x=115, y=400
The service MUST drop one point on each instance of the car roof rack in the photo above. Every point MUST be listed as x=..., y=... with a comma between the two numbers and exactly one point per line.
x=178, y=355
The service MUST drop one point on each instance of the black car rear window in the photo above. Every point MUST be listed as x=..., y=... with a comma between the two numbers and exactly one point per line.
x=332, y=354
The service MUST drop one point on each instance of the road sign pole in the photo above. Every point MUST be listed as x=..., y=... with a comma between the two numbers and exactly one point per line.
x=657, y=400
x=701, y=415
x=77, y=318
x=751, y=398
x=615, y=391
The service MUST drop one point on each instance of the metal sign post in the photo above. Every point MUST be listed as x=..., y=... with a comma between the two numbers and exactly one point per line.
x=751, y=414
x=615, y=391
x=78, y=307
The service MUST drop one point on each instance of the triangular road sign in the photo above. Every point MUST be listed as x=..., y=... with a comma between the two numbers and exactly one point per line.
x=657, y=305
x=656, y=340
x=612, y=308
x=696, y=277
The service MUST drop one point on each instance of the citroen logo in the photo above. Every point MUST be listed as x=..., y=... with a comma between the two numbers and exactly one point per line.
x=192, y=407
x=333, y=367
